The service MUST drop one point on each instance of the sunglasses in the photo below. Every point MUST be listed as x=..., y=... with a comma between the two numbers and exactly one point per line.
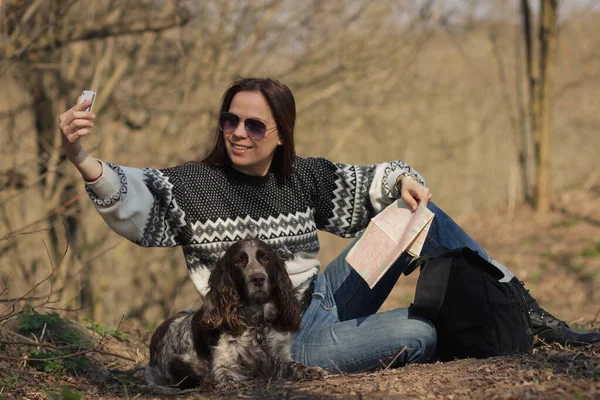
x=255, y=129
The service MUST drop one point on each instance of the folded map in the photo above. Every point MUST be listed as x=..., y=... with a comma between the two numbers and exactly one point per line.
x=390, y=233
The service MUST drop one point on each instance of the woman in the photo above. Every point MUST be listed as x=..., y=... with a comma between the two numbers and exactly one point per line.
x=253, y=185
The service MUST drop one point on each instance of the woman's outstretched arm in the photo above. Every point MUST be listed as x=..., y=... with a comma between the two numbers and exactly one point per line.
x=138, y=204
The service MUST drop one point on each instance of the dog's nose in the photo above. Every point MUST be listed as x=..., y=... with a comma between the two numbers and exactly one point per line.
x=258, y=279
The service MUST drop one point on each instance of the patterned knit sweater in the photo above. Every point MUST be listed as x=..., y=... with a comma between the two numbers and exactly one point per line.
x=205, y=209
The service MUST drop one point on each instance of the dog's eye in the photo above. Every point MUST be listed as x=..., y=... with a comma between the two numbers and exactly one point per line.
x=264, y=259
x=241, y=261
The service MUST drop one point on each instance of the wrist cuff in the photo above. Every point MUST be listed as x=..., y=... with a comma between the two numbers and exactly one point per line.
x=99, y=176
x=107, y=184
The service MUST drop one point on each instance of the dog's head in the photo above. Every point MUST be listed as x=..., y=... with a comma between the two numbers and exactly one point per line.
x=250, y=274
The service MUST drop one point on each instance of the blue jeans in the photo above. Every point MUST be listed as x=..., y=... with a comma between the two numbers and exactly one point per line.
x=341, y=329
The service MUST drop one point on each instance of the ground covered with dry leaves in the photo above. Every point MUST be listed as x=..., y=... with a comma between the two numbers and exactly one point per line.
x=558, y=255
x=550, y=372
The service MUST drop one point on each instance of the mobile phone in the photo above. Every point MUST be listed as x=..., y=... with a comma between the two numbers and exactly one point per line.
x=88, y=95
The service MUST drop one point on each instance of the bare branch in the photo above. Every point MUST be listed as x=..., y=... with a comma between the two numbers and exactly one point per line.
x=41, y=43
x=79, y=350
x=4, y=316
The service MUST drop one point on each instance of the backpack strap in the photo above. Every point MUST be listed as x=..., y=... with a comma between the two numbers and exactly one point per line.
x=432, y=285
x=418, y=262
x=435, y=274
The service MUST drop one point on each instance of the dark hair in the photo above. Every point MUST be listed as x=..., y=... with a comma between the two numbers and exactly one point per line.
x=283, y=107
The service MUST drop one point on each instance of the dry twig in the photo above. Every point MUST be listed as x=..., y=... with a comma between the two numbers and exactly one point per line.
x=79, y=350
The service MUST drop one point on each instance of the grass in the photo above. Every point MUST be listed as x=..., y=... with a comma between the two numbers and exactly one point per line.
x=31, y=320
x=593, y=251
x=65, y=394
x=48, y=366
x=536, y=276
x=48, y=363
x=102, y=330
x=150, y=325
x=60, y=330
x=577, y=267
x=566, y=223
x=587, y=276
x=54, y=329
x=9, y=381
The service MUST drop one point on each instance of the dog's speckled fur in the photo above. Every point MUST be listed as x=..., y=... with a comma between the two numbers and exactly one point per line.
x=243, y=331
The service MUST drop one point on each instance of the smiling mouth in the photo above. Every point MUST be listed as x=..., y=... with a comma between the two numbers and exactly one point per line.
x=240, y=147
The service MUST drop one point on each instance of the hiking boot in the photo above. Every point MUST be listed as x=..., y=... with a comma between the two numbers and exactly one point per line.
x=549, y=328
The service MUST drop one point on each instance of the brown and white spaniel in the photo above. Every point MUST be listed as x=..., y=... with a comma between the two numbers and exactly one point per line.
x=243, y=331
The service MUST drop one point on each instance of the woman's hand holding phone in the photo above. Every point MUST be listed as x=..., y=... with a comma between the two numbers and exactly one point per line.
x=74, y=124
x=77, y=122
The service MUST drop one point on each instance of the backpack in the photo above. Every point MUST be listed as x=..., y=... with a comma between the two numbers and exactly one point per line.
x=475, y=315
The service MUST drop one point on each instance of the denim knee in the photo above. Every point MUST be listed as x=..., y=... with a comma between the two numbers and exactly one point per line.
x=423, y=346
x=428, y=345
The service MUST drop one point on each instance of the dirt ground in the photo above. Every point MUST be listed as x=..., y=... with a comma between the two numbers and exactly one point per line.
x=550, y=372
x=557, y=255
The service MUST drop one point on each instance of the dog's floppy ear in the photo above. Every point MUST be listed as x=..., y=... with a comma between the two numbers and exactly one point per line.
x=221, y=305
x=289, y=316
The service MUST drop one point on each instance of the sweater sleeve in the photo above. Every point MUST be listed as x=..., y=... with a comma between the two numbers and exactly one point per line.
x=348, y=196
x=139, y=204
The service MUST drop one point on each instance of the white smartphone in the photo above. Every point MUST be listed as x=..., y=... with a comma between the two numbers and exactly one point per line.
x=88, y=95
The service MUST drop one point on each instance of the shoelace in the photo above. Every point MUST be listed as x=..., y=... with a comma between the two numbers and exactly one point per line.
x=545, y=316
x=551, y=319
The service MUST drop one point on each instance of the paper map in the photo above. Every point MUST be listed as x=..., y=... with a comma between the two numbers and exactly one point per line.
x=390, y=233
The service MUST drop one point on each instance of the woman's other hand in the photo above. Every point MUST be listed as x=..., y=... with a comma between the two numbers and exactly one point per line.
x=413, y=193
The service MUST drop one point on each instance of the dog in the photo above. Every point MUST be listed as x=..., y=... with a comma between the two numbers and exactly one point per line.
x=242, y=332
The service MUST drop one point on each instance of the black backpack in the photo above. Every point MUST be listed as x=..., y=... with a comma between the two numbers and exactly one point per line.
x=475, y=315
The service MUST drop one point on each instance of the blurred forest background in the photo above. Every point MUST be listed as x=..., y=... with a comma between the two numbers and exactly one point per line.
x=439, y=84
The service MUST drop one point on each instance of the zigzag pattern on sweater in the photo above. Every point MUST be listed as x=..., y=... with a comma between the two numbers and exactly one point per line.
x=165, y=218
x=231, y=230
x=350, y=179
x=207, y=254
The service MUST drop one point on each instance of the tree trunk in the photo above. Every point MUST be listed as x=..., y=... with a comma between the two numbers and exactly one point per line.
x=548, y=28
x=532, y=78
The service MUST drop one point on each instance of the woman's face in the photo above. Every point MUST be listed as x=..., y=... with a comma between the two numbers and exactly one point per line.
x=248, y=156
